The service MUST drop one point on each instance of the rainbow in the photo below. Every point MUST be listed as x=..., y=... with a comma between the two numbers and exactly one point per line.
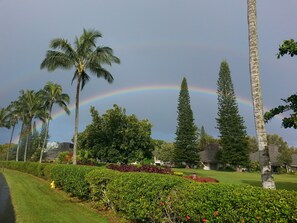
x=144, y=89
x=148, y=88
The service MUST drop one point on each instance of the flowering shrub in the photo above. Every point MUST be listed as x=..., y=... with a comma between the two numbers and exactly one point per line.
x=202, y=179
x=143, y=168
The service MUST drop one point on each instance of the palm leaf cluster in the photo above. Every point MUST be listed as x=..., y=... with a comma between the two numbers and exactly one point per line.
x=84, y=55
x=32, y=105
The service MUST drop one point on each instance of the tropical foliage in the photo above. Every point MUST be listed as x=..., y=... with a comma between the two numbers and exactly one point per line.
x=117, y=137
x=50, y=95
x=84, y=56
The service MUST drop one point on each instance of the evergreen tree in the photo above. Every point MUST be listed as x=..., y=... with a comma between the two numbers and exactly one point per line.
x=186, y=151
x=233, y=136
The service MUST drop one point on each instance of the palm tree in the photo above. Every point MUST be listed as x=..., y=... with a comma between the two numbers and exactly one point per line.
x=266, y=173
x=12, y=120
x=83, y=56
x=31, y=104
x=52, y=94
x=3, y=118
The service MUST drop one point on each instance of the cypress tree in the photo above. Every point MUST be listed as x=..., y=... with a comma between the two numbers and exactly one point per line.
x=202, y=142
x=186, y=151
x=233, y=136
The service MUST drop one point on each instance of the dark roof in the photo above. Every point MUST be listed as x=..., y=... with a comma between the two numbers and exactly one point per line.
x=273, y=154
x=294, y=160
x=53, y=153
x=208, y=155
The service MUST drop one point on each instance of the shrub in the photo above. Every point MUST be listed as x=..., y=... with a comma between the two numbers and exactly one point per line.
x=142, y=168
x=146, y=197
x=139, y=196
x=71, y=179
x=98, y=180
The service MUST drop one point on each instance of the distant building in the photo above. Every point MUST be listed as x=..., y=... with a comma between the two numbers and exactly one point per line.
x=208, y=157
x=52, y=154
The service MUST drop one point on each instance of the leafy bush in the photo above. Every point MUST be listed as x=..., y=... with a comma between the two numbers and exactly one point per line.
x=146, y=197
x=139, y=196
x=71, y=179
x=33, y=168
x=143, y=168
x=98, y=180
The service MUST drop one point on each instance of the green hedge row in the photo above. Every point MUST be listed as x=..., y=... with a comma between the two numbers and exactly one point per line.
x=145, y=197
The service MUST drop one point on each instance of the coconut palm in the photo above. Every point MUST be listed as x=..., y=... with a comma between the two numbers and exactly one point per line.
x=52, y=94
x=3, y=118
x=12, y=121
x=30, y=103
x=83, y=56
x=266, y=173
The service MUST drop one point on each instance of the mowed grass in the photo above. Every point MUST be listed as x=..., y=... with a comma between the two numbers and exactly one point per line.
x=35, y=202
x=282, y=181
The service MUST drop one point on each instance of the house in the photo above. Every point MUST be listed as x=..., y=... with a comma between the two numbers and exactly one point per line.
x=294, y=162
x=52, y=154
x=208, y=157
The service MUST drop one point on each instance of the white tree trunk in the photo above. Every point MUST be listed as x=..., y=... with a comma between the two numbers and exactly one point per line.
x=266, y=173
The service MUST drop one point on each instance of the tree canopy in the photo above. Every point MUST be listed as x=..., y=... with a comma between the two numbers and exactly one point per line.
x=117, y=137
x=186, y=144
x=233, y=136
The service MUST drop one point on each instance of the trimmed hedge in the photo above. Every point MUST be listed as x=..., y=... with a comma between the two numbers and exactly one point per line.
x=146, y=197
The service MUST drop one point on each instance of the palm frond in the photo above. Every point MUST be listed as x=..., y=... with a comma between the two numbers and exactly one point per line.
x=85, y=78
x=101, y=72
x=74, y=76
x=65, y=47
x=56, y=59
x=104, y=55
x=87, y=42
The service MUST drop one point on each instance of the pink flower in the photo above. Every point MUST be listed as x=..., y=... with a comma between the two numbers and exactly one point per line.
x=161, y=203
x=216, y=213
x=204, y=220
x=188, y=217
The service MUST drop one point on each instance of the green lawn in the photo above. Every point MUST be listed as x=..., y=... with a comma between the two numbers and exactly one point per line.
x=35, y=202
x=283, y=181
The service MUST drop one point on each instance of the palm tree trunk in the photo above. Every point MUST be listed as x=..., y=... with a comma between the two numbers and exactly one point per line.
x=76, y=119
x=26, y=148
x=44, y=141
x=266, y=172
x=10, y=142
x=19, y=142
x=27, y=140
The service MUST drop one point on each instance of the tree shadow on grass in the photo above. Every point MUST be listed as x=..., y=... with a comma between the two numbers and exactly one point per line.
x=280, y=185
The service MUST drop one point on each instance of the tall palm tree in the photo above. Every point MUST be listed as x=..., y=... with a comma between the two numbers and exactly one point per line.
x=83, y=56
x=52, y=94
x=32, y=107
x=12, y=120
x=266, y=172
x=3, y=118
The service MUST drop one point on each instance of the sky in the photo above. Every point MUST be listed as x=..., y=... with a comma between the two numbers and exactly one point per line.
x=159, y=42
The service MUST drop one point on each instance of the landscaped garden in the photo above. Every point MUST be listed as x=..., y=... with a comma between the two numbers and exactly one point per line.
x=147, y=197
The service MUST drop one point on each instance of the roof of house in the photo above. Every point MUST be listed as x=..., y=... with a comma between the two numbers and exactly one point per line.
x=208, y=155
x=294, y=160
x=273, y=154
x=53, y=153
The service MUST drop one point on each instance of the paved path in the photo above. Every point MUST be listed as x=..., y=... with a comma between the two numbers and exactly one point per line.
x=6, y=209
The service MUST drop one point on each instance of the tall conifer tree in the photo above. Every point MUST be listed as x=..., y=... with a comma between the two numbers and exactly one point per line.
x=186, y=150
x=233, y=136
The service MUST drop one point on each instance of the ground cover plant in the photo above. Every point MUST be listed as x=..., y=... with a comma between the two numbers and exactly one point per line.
x=141, y=168
x=35, y=201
